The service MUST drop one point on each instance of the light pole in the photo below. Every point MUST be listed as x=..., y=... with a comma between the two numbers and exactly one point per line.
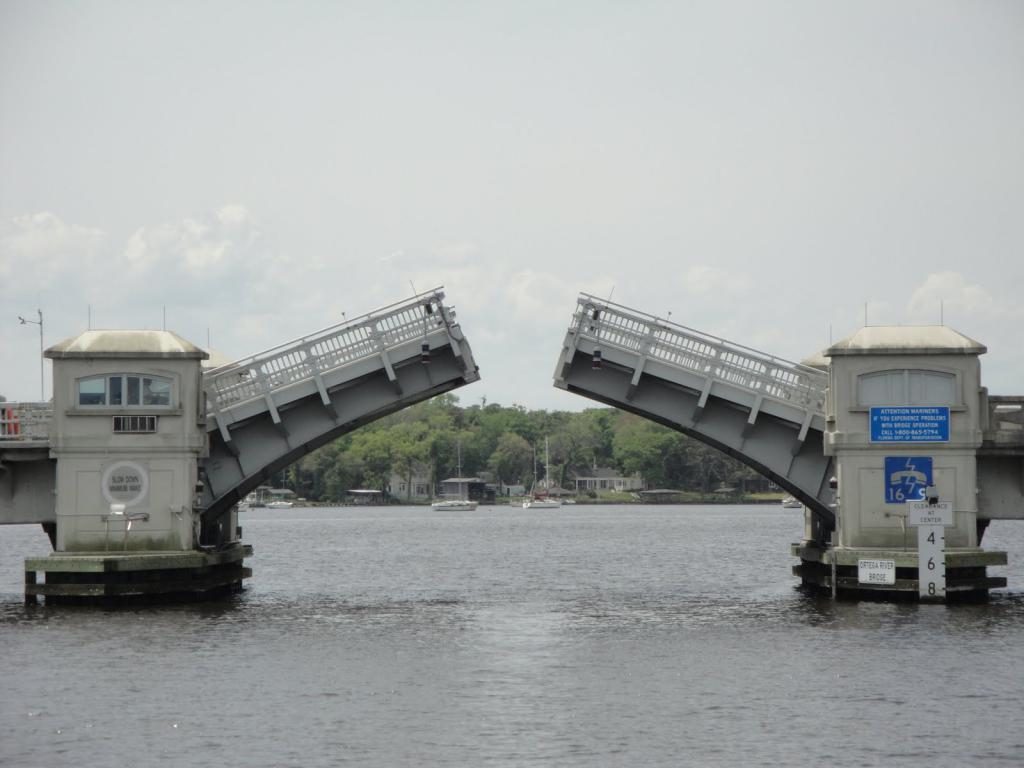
x=39, y=322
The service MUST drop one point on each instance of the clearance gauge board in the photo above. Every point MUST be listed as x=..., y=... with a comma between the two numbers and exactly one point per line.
x=931, y=521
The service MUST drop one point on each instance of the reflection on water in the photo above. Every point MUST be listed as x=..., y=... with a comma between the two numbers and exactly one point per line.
x=592, y=635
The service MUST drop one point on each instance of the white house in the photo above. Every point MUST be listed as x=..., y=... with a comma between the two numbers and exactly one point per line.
x=608, y=479
x=415, y=488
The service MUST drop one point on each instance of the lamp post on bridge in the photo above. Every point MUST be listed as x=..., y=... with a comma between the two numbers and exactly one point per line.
x=39, y=322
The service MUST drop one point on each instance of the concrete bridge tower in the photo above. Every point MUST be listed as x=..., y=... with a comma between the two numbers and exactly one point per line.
x=904, y=422
x=128, y=428
x=127, y=433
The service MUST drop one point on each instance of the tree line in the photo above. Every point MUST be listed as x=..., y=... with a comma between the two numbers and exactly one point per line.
x=506, y=444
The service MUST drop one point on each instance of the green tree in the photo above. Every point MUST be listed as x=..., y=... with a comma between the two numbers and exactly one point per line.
x=409, y=450
x=582, y=441
x=502, y=439
x=374, y=450
x=342, y=475
x=512, y=458
x=640, y=446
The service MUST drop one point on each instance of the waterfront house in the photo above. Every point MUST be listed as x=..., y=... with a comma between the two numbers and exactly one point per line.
x=607, y=479
x=474, y=488
x=414, y=487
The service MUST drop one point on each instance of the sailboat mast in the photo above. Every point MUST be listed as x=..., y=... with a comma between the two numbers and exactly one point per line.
x=547, y=466
x=458, y=453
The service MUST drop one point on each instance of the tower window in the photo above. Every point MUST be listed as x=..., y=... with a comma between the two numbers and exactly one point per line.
x=125, y=390
x=907, y=387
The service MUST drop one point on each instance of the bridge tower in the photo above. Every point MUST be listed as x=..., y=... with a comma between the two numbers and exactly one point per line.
x=888, y=416
x=137, y=470
x=905, y=416
x=127, y=433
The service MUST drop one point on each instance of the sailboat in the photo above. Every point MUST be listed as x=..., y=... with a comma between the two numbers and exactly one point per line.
x=461, y=503
x=542, y=500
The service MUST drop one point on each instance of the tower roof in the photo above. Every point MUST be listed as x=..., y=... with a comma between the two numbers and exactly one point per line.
x=906, y=340
x=126, y=344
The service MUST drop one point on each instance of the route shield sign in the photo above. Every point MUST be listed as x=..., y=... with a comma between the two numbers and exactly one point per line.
x=906, y=478
x=910, y=424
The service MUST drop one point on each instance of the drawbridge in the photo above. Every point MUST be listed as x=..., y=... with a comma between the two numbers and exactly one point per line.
x=766, y=412
x=265, y=411
x=268, y=410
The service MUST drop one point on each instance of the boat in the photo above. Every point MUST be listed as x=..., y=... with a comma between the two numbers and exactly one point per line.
x=454, y=504
x=541, y=500
x=790, y=503
x=255, y=499
x=269, y=498
x=460, y=503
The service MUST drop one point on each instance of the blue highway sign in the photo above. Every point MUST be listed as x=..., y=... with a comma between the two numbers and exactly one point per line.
x=907, y=478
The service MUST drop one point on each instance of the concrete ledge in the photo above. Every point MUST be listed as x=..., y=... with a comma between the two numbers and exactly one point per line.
x=162, y=587
x=905, y=558
x=911, y=585
x=105, y=562
x=106, y=577
x=966, y=577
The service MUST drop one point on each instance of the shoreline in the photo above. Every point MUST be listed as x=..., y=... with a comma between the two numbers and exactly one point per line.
x=575, y=503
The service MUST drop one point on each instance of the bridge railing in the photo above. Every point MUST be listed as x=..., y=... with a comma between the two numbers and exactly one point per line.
x=1005, y=419
x=612, y=325
x=25, y=422
x=325, y=350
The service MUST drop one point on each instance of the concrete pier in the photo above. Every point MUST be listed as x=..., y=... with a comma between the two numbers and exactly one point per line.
x=836, y=571
x=90, y=577
x=905, y=417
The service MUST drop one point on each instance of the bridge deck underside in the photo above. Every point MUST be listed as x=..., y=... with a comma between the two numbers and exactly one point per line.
x=259, y=447
x=770, y=445
x=27, y=479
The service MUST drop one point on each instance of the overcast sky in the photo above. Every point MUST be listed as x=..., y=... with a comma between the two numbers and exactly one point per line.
x=765, y=171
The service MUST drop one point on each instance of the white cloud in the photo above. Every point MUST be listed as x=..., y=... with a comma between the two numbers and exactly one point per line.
x=234, y=216
x=950, y=291
x=39, y=249
x=457, y=253
x=763, y=204
x=534, y=296
x=44, y=262
x=225, y=243
x=993, y=317
x=219, y=272
x=213, y=271
x=707, y=281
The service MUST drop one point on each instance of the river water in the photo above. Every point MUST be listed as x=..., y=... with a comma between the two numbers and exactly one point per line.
x=586, y=636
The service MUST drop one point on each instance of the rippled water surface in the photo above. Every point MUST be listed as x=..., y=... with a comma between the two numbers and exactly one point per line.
x=586, y=636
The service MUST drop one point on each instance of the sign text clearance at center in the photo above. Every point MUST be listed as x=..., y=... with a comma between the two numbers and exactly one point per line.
x=923, y=513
